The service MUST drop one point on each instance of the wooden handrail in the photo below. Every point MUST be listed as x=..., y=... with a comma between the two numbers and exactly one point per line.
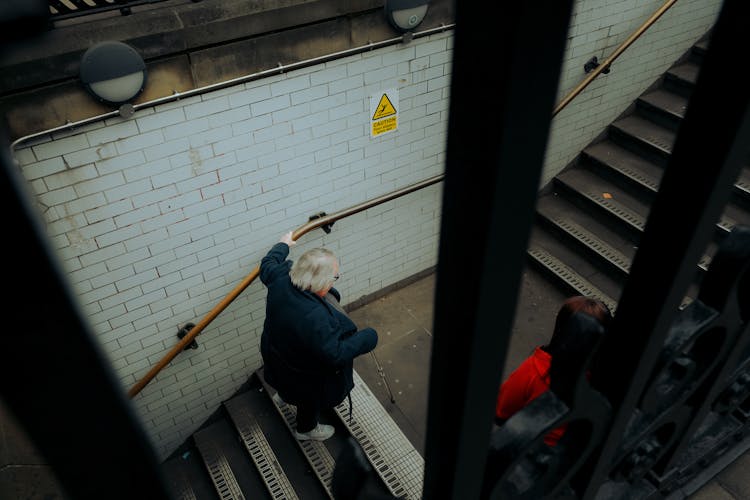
x=608, y=62
x=322, y=221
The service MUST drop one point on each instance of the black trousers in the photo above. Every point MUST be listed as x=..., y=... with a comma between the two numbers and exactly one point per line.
x=307, y=417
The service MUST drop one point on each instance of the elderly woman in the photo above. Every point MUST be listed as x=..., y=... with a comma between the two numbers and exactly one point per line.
x=308, y=343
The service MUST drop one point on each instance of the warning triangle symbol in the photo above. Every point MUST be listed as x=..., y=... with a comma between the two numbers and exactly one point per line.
x=385, y=108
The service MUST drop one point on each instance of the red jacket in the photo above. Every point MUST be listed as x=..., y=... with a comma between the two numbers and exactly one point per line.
x=524, y=385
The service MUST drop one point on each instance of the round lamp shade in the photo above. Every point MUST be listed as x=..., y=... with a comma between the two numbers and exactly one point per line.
x=405, y=15
x=113, y=72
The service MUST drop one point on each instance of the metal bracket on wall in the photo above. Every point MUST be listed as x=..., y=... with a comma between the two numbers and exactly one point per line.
x=325, y=227
x=592, y=64
x=184, y=331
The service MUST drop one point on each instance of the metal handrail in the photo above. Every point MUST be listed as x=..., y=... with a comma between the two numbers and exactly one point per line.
x=325, y=220
x=618, y=51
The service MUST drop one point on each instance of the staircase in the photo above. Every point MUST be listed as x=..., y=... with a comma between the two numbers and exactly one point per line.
x=588, y=223
x=590, y=218
x=249, y=451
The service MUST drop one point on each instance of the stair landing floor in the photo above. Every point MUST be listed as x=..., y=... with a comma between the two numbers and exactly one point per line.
x=403, y=319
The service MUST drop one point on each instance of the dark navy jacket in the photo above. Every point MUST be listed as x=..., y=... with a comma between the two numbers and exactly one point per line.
x=308, y=347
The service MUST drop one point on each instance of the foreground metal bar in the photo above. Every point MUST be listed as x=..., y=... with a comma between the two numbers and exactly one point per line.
x=497, y=133
x=54, y=377
x=706, y=160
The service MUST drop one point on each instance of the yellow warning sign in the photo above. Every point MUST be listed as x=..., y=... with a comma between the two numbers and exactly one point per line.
x=384, y=111
x=383, y=126
x=385, y=108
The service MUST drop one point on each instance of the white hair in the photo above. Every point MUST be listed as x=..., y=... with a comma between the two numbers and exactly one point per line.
x=314, y=270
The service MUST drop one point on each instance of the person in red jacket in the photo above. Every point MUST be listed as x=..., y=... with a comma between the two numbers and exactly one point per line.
x=532, y=377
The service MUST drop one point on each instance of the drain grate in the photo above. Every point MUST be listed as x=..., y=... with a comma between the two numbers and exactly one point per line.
x=316, y=453
x=218, y=468
x=570, y=277
x=391, y=454
x=260, y=451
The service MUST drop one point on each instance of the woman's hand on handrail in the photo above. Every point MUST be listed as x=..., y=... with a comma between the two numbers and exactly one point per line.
x=287, y=238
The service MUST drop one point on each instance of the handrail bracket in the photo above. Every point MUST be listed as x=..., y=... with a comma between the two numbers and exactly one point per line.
x=324, y=227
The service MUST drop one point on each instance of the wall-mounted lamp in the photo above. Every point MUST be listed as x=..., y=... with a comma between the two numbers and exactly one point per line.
x=405, y=15
x=113, y=72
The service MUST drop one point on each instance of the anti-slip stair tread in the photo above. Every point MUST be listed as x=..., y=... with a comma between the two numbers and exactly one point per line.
x=567, y=277
x=585, y=267
x=316, y=453
x=226, y=460
x=670, y=103
x=686, y=72
x=605, y=196
x=625, y=162
x=646, y=132
x=272, y=448
x=701, y=46
x=187, y=479
x=576, y=226
x=743, y=182
x=391, y=472
x=733, y=215
x=388, y=450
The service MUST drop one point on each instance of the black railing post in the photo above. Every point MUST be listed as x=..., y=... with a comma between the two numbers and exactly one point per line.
x=498, y=126
x=706, y=160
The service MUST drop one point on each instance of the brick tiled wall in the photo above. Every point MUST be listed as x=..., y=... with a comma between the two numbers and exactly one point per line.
x=597, y=28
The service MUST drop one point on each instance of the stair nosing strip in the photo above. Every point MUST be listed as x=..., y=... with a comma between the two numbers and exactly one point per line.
x=392, y=477
x=220, y=471
x=614, y=208
x=601, y=248
x=315, y=452
x=260, y=451
x=580, y=284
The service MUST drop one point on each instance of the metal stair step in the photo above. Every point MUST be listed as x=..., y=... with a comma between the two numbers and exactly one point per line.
x=682, y=77
x=586, y=233
x=388, y=450
x=270, y=446
x=603, y=198
x=686, y=71
x=187, y=478
x=316, y=453
x=665, y=107
x=233, y=475
x=567, y=276
x=742, y=186
x=625, y=165
x=644, y=135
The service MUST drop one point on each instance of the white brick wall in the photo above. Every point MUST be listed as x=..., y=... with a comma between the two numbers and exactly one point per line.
x=597, y=28
x=157, y=218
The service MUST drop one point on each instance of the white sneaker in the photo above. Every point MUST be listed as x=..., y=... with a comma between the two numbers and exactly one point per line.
x=277, y=399
x=321, y=432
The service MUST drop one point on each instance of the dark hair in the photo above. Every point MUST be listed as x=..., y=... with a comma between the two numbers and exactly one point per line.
x=578, y=303
x=579, y=326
